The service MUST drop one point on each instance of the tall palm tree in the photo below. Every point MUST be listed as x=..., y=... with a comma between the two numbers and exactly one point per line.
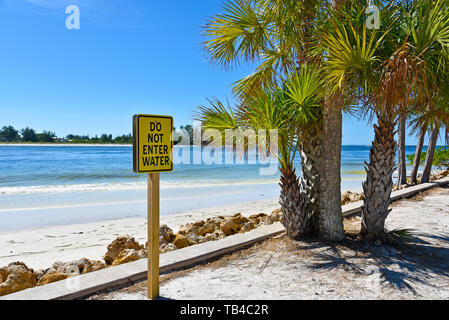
x=280, y=36
x=356, y=61
x=388, y=67
x=422, y=130
x=402, y=164
x=289, y=111
x=430, y=154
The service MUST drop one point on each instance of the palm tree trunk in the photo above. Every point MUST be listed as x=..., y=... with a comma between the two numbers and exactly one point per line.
x=402, y=165
x=418, y=152
x=310, y=163
x=379, y=181
x=293, y=202
x=430, y=154
x=331, y=219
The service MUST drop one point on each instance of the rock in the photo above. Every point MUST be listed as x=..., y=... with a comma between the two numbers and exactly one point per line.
x=349, y=197
x=166, y=234
x=167, y=248
x=193, y=239
x=75, y=267
x=440, y=175
x=239, y=219
x=199, y=224
x=63, y=270
x=16, y=277
x=258, y=218
x=189, y=228
x=40, y=273
x=248, y=227
x=207, y=228
x=97, y=265
x=229, y=227
x=118, y=246
x=129, y=255
x=276, y=216
x=181, y=241
x=54, y=277
x=212, y=237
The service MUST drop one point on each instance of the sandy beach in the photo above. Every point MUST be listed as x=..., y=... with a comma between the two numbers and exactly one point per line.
x=282, y=268
x=39, y=248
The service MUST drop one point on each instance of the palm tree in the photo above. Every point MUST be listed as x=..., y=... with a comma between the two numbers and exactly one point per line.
x=402, y=164
x=388, y=68
x=430, y=155
x=280, y=35
x=289, y=111
x=419, y=147
x=356, y=62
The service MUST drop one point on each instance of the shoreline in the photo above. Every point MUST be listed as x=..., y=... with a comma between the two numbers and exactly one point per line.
x=63, y=145
x=40, y=247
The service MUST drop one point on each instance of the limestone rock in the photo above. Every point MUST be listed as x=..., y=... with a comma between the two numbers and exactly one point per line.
x=349, y=197
x=248, y=227
x=229, y=227
x=81, y=266
x=189, y=228
x=54, y=277
x=212, y=236
x=118, y=246
x=181, y=241
x=258, y=218
x=275, y=216
x=166, y=234
x=440, y=175
x=239, y=219
x=208, y=227
x=193, y=239
x=16, y=277
x=199, y=224
x=167, y=247
x=129, y=255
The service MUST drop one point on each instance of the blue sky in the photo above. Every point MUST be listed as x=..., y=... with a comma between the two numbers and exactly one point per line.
x=129, y=57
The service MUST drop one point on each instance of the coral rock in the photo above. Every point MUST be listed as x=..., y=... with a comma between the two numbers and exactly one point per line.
x=54, y=277
x=258, y=218
x=129, y=255
x=229, y=227
x=276, y=216
x=16, y=277
x=207, y=228
x=248, y=227
x=118, y=246
x=181, y=241
x=166, y=234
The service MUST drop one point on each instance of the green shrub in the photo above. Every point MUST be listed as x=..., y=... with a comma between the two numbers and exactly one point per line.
x=440, y=159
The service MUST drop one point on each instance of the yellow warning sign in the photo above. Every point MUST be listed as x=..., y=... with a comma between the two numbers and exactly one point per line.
x=152, y=143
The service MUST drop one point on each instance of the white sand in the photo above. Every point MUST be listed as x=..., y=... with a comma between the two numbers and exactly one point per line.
x=314, y=270
x=39, y=248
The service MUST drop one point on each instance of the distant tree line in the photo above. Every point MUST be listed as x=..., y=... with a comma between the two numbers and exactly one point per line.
x=29, y=135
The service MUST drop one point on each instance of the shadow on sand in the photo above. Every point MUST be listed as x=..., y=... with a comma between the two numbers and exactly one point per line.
x=417, y=261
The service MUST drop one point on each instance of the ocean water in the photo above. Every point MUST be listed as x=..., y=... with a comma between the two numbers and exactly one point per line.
x=39, y=183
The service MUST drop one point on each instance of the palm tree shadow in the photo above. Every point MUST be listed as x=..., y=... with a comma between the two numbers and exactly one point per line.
x=416, y=262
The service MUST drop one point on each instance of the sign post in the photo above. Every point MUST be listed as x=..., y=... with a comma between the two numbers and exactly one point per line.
x=152, y=154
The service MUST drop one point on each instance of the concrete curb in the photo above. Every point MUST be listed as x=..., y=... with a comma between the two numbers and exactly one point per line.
x=115, y=277
x=356, y=207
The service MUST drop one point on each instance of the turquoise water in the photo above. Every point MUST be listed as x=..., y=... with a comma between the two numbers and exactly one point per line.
x=46, y=180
